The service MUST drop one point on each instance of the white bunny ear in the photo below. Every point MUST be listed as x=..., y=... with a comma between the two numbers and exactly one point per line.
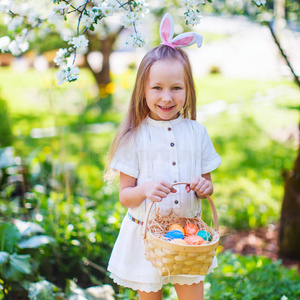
x=187, y=39
x=166, y=29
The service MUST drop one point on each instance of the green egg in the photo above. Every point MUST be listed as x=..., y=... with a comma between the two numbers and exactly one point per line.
x=204, y=234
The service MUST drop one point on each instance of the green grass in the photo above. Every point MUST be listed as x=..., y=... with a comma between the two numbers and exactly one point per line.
x=248, y=185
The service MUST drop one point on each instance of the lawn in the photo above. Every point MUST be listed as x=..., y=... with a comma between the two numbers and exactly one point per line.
x=62, y=136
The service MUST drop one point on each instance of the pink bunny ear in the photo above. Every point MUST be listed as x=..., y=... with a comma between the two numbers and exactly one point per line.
x=166, y=29
x=187, y=39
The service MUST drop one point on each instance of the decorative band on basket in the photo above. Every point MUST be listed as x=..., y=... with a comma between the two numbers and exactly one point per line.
x=134, y=219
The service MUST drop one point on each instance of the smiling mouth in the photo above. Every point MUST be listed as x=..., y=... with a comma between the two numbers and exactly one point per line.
x=165, y=108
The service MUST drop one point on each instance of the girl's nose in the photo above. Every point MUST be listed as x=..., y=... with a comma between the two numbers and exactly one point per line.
x=167, y=97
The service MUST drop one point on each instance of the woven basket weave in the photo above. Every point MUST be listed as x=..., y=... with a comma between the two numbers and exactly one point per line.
x=174, y=259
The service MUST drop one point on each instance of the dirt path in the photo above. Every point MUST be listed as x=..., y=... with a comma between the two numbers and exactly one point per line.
x=262, y=241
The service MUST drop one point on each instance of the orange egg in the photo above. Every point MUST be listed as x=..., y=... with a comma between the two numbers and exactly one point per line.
x=176, y=227
x=190, y=229
x=194, y=240
x=179, y=241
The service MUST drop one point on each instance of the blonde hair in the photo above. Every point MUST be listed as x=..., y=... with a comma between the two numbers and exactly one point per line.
x=138, y=108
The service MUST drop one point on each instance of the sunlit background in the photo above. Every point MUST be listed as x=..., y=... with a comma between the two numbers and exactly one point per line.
x=54, y=142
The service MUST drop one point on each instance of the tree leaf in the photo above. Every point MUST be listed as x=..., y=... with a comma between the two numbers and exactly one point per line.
x=42, y=290
x=27, y=228
x=16, y=267
x=9, y=236
x=36, y=241
x=3, y=257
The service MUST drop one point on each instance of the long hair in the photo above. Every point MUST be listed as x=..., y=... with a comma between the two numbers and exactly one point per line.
x=138, y=108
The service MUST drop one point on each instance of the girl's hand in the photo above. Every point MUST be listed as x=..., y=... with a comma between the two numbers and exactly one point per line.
x=157, y=190
x=201, y=185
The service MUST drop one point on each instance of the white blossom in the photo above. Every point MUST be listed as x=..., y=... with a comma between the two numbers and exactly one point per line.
x=17, y=46
x=128, y=19
x=61, y=56
x=14, y=23
x=88, y=19
x=68, y=74
x=192, y=17
x=6, y=5
x=136, y=40
x=62, y=8
x=53, y=17
x=105, y=9
x=31, y=14
x=80, y=43
x=33, y=19
x=114, y=5
x=4, y=43
x=190, y=4
x=260, y=2
x=186, y=4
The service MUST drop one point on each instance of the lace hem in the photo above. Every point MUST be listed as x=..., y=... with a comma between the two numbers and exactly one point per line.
x=154, y=287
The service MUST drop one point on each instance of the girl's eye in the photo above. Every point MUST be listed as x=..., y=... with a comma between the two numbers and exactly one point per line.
x=156, y=87
x=177, y=88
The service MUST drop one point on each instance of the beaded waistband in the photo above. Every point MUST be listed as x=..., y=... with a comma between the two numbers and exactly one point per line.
x=134, y=219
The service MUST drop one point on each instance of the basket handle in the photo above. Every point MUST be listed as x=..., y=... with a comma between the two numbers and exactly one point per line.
x=212, y=205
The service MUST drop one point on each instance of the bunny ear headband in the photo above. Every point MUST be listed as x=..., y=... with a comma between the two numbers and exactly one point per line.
x=166, y=31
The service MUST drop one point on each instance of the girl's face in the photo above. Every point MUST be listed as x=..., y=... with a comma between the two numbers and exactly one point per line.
x=165, y=90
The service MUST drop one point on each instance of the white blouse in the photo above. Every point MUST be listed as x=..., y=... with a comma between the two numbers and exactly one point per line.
x=175, y=151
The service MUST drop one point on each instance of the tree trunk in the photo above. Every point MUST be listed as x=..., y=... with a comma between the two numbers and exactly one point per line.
x=289, y=237
x=106, y=47
x=103, y=77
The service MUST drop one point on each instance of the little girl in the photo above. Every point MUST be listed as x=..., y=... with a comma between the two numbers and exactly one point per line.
x=158, y=144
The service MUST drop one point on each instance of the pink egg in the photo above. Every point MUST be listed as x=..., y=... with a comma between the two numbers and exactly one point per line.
x=194, y=240
x=179, y=242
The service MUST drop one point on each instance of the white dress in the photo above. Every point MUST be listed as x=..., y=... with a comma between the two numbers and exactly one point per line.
x=176, y=150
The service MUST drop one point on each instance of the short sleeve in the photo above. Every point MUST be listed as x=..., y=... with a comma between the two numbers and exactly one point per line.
x=126, y=160
x=209, y=157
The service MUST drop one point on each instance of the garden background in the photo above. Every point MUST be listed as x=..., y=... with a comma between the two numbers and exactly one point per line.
x=60, y=218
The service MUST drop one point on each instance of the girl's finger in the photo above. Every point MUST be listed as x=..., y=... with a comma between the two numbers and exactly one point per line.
x=155, y=199
x=188, y=188
x=161, y=194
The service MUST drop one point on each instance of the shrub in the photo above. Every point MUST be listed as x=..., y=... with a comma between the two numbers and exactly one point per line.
x=250, y=277
x=6, y=137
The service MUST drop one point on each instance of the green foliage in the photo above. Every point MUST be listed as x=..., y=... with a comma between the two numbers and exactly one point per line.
x=47, y=43
x=249, y=278
x=42, y=289
x=92, y=293
x=6, y=137
x=15, y=267
x=65, y=194
x=9, y=235
x=19, y=257
x=249, y=184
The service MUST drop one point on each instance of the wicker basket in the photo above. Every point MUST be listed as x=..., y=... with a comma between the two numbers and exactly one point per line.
x=174, y=259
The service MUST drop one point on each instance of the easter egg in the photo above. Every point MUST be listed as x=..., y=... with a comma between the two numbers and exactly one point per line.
x=174, y=234
x=194, y=240
x=179, y=242
x=176, y=227
x=204, y=234
x=190, y=229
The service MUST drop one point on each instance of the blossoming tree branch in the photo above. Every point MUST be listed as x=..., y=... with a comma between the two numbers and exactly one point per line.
x=74, y=20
